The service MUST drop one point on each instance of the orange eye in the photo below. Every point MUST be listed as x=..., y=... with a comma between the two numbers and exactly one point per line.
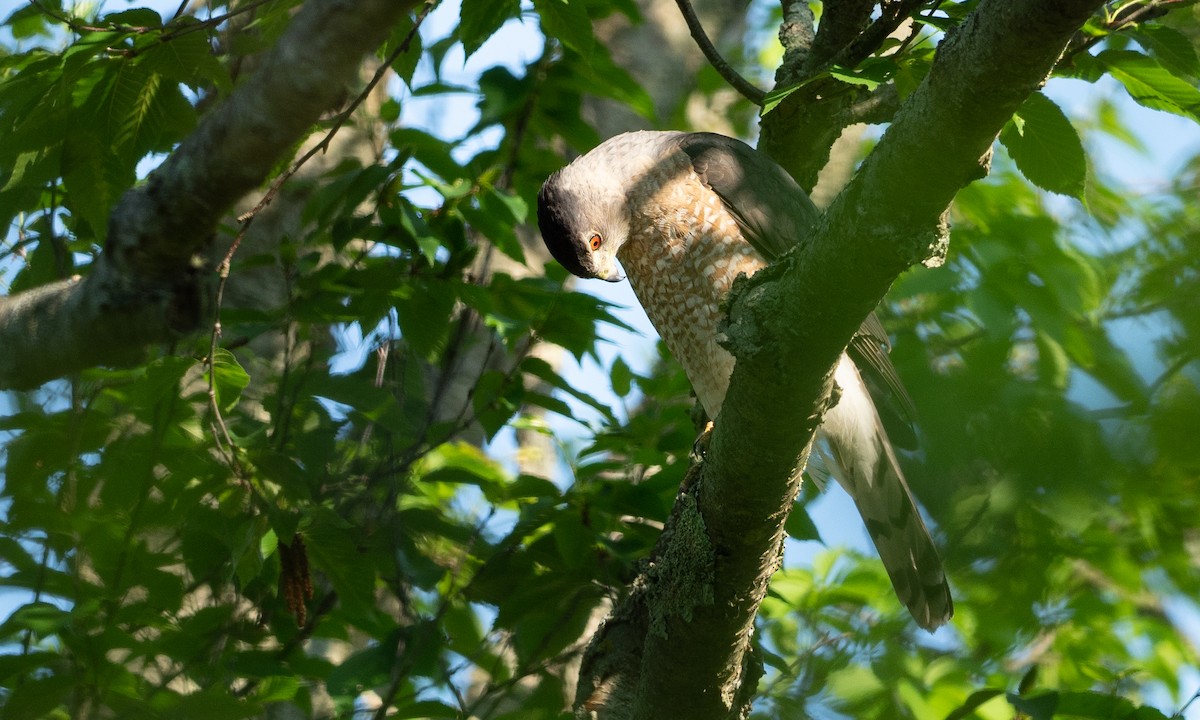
x=595, y=242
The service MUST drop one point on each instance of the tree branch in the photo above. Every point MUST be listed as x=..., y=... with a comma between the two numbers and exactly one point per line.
x=147, y=287
x=722, y=66
x=788, y=325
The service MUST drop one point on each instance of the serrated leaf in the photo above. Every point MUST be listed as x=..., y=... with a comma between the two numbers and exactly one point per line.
x=188, y=58
x=1171, y=48
x=973, y=702
x=495, y=229
x=621, y=378
x=870, y=73
x=518, y=211
x=1037, y=707
x=423, y=313
x=480, y=19
x=365, y=668
x=1150, y=84
x=542, y=370
x=135, y=17
x=1046, y=147
x=406, y=62
x=800, y=526
x=496, y=399
x=772, y=99
x=229, y=379
x=605, y=78
x=35, y=698
x=40, y=618
x=91, y=192
x=424, y=709
x=568, y=21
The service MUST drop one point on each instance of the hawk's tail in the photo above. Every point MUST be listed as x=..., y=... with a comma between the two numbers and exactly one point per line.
x=866, y=466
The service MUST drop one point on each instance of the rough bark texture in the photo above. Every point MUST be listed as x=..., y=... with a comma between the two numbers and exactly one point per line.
x=145, y=287
x=786, y=328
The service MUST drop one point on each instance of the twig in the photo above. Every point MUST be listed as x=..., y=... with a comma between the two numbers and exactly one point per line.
x=1123, y=19
x=1195, y=696
x=747, y=89
x=871, y=38
x=166, y=36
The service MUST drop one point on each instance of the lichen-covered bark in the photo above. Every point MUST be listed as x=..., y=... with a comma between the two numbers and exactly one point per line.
x=146, y=286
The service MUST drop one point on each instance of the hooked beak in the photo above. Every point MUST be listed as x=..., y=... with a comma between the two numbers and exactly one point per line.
x=612, y=273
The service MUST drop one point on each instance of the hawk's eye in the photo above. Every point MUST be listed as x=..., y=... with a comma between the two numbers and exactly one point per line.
x=594, y=243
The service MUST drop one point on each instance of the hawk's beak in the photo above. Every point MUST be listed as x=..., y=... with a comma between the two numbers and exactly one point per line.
x=612, y=276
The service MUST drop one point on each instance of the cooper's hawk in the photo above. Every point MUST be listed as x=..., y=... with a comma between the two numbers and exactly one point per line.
x=686, y=213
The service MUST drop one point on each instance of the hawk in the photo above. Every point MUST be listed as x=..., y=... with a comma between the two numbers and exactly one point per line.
x=686, y=213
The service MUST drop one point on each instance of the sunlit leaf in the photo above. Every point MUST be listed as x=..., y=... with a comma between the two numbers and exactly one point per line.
x=1046, y=147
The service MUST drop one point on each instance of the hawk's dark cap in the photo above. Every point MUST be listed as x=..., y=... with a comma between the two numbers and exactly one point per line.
x=554, y=220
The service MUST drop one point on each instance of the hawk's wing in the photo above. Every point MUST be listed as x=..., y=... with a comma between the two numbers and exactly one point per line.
x=770, y=208
x=869, y=348
x=774, y=214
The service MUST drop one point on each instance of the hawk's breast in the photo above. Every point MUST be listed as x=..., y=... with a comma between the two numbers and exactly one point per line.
x=683, y=253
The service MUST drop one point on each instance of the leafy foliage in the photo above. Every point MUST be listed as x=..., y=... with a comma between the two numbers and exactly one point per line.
x=286, y=524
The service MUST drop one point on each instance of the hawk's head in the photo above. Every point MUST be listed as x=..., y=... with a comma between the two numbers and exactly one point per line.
x=582, y=224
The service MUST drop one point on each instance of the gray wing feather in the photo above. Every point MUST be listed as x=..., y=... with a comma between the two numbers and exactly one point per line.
x=772, y=210
x=869, y=349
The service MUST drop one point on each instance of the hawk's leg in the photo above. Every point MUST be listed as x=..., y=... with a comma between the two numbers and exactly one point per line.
x=700, y=445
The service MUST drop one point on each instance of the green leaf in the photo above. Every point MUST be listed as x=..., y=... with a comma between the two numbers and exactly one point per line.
x=493, y=218
x=599, y=75
x=973, y=702
x=40, y=618
x=800, y=526
x=870, y=73
x=188, y=58
x=1171, y=48
x=496, y=399
x=35, y=698
x=542, y=370
x=568, y=21
x=573, y=541
x=431, y=709
x=135, y=17
x=423, y=310
x=1150, y=84
x=1090, y=705
x=406, y=62
x=461, y=463
x=772, y=99
x=229, y=379
x=432, y=152
x=518, y=211
x=369, y=667
x=91, y=190
x=480, y=19
x=1046, y=147
x=28, y=21
x=621, y=378
x=343, y=559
